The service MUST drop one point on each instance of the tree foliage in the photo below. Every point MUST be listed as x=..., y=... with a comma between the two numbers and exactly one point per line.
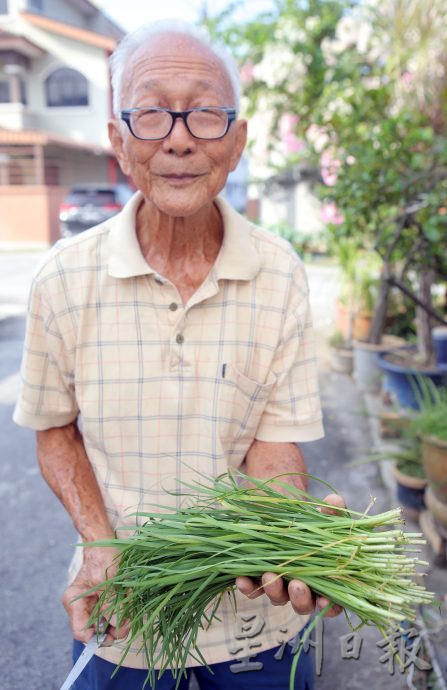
x=367, y=85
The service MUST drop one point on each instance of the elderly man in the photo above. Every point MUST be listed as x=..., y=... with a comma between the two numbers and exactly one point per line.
x=171, y=341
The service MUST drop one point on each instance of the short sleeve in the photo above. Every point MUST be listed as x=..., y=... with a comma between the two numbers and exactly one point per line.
x=293, y=410
x=46, y=397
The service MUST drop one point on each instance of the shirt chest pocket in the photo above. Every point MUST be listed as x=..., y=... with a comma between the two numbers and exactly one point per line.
x=241, y=402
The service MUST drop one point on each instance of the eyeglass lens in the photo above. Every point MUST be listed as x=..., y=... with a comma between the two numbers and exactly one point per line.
x=156, y=124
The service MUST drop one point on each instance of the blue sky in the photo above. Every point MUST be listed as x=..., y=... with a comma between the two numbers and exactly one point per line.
x=132, y=13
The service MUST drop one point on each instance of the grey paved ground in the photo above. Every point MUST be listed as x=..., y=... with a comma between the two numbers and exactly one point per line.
x=36, y=533
x=36, y=538
x=347, y=438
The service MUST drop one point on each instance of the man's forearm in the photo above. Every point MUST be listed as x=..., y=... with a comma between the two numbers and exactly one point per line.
x=265, y=460
x=67, y=470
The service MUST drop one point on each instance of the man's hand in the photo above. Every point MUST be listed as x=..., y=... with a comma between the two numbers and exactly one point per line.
x=68, y=471
x=99, y=564
x=299, y=594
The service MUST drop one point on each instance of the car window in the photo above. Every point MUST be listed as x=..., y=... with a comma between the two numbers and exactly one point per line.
x=95, y=197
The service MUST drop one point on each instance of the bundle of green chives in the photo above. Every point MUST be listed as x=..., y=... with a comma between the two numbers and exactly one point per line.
x=174, y=569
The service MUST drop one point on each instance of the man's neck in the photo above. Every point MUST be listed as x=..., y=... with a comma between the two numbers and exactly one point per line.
x=181, y=249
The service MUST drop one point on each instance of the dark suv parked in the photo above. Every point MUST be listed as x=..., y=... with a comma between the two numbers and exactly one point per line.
x=87, y=205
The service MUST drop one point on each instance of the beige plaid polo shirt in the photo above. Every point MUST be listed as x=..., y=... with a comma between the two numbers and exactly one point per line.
x=165, y=391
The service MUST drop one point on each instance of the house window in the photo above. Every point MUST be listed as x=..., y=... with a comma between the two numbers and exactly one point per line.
x=66, y=87
x=35, y=5
x=4, y=92
x=13, y=91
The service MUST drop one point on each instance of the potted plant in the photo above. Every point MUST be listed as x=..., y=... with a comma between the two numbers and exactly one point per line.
x=354, y=304
x=391, y=422
x=402, y=368
x=408, y=473
x=366, y=370
x=430, y=423
x=350, y=349
x=410, y=478
x=408, y=469
x=351, y=320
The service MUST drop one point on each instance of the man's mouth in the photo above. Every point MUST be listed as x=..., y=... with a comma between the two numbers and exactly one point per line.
x=180, y=178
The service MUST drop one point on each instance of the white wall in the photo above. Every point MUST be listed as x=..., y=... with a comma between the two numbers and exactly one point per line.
x=86, y=124
x=16, y=116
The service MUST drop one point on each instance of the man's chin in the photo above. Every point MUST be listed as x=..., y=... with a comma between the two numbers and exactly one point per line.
x=181, y=205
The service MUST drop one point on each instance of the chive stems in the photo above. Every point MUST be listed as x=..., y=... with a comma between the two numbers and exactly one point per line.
x=174, y=568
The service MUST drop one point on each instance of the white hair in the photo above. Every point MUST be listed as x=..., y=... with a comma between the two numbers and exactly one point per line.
x=146, y=33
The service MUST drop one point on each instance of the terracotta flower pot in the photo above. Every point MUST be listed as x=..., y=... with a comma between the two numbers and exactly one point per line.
x=437, y=508
x=434, y=458
x=410, y=493
x=341, y=359
x=361, y=323
x=392, y=424
x=367, y=374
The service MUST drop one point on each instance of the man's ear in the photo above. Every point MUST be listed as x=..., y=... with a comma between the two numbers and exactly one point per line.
x=239, y=144
x=116, y=140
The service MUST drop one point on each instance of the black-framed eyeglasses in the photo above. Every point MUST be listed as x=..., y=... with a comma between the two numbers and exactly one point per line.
x=152, y=124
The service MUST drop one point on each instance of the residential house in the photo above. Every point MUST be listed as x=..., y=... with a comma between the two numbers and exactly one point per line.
x=55, y=101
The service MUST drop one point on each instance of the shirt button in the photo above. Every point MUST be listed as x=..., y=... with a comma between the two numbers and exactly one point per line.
x=158, y=280
x=173, y=306
x=180, y=339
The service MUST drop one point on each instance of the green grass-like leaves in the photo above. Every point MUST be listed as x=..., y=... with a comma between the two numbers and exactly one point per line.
x=175, y=568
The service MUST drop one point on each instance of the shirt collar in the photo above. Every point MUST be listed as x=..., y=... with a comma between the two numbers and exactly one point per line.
x=125, y=257
x=237, y=259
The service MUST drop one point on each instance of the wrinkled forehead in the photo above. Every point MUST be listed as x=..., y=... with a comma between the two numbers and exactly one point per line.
x=170, y=54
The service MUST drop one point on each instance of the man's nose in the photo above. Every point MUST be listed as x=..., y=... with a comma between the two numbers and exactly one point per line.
x=180, y=139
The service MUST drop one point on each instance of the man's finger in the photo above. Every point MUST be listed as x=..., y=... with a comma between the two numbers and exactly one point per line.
x=79, y=611
x=335, y=500
x=301, y=597
x=334, y=611
x=275, y=589
x=248, y=586
x=118, y=629
x=80, y=614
